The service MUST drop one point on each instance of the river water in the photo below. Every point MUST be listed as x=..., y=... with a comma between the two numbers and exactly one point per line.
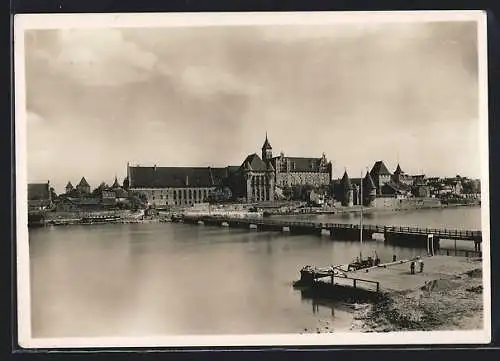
x=174, y=279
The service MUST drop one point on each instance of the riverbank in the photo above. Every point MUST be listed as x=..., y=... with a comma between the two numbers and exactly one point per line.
x=449, y=303
x=443, y=304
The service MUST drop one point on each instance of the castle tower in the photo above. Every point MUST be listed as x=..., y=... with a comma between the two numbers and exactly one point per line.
x=369, y=190
x=69, y=187
x=267, y=151
x=347, y=191
x=398, y=174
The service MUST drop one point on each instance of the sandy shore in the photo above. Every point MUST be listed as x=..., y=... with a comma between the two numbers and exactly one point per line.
x=443, y=304
x=449, y=303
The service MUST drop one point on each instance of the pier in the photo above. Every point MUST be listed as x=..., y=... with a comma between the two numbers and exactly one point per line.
x=386, y=278
x=403, y=236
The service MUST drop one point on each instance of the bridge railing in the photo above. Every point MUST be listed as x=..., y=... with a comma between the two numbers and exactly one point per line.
x=455, y=233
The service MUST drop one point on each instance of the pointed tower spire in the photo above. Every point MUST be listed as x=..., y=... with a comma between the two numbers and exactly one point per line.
x=267, y=150
x=115, y=183
x=346, y=182
x=369, y=184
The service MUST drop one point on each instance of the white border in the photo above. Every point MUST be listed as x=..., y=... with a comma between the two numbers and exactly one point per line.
x=58, y=21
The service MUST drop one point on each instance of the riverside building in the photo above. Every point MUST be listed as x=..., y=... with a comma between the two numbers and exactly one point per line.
x=255, y=180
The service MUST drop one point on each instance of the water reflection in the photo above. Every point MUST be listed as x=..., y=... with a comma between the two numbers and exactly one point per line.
x=174, y=279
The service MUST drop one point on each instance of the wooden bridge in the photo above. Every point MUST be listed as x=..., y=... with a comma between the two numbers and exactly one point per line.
x=341, y=231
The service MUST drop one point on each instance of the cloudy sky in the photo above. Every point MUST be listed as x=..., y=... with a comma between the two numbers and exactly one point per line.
x=99, y=98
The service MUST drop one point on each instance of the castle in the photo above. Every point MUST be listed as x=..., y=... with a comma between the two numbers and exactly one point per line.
x=257, y=179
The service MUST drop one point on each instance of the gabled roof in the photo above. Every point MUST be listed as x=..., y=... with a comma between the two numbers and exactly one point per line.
x=398, y=187
x=83, y=183
x=379, y=168
x=38, y=191
x=175, y=177
x=398, y=170
x=346, y=182
x=253, y=162
x=300, y=164
x=69, y=185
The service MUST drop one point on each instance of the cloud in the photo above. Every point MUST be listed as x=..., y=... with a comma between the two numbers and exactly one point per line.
x=98, y=57
x=200, y=96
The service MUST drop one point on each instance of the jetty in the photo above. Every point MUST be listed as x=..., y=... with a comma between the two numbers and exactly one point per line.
x=392, y=277
x=403, y=236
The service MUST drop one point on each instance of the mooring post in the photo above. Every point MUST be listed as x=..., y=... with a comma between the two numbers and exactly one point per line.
x=354, y=283
x=332, y=279
x=378, y=287
x=455, y=247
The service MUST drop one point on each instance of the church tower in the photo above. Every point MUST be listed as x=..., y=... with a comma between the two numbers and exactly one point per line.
x=267, y=151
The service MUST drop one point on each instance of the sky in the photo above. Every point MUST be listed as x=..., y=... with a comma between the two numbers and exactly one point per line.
x=205, y=96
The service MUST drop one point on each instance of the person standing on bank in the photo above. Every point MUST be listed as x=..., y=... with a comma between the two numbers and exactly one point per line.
x=412, y=267
x=421, y=265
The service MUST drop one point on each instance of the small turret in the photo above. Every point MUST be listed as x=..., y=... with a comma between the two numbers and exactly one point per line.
x=369, y=190
x=69, y=187
x=347, y=191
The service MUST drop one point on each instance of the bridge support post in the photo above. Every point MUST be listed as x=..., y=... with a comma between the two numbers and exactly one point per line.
x=430, y=244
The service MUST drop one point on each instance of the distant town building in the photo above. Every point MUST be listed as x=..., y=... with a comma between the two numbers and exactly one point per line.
x=401, y=177
x=83, y=187
x=380, y=176
x=39, y=196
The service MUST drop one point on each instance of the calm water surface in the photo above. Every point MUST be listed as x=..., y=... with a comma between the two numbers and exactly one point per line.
x=171, y=279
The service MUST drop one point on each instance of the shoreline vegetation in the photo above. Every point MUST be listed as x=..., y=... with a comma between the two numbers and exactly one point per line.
x=44, y=218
